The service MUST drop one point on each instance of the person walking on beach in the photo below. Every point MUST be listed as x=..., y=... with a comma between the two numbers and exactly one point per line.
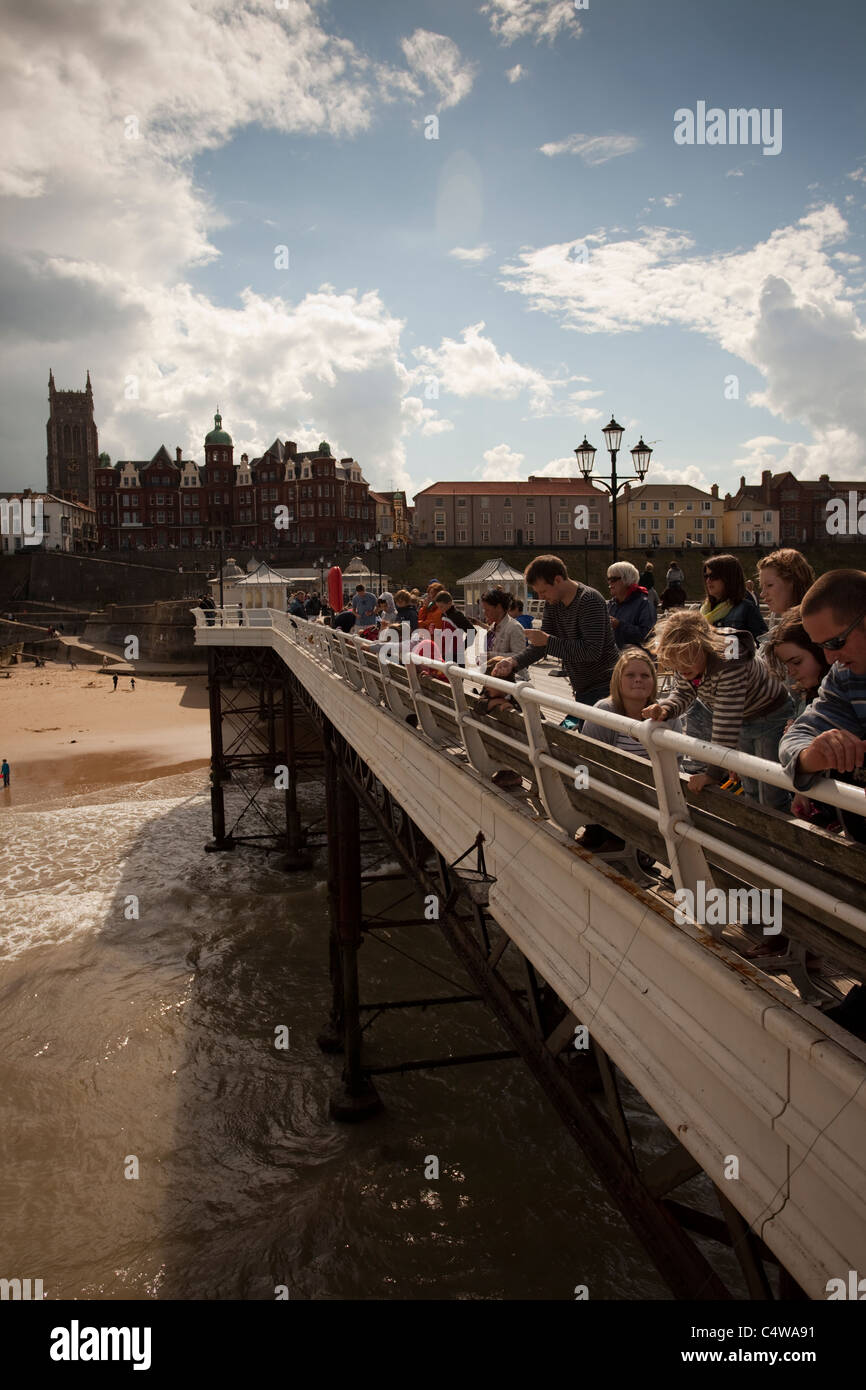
x=132, y=682
x=5, y=773
x=72, y=665
x=114, y=680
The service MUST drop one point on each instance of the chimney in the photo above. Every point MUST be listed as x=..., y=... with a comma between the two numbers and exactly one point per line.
x=291, y=447
x=178, y=453
x=742, y=483
x=714, y=491
x=825, y=478
x=766, y=483
x=245, y=458
x=348, y=460
x=728, y=498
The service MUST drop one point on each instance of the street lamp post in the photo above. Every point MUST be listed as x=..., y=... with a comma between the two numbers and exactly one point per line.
x=586, y=457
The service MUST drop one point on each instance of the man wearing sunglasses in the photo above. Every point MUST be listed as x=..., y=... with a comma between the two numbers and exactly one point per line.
x=831, y=735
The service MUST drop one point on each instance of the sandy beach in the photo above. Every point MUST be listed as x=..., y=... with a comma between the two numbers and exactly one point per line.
x=66, y=731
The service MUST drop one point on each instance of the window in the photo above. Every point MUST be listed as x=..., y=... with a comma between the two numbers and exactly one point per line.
x=125, y=500
x=711, y=523
x=462, y=535
x=671, y=506
x=484, y=503
x=562, y=518
x=594, y=518
x=690, y=506
x=529, y=501
x=747, y=538
x=134, y=499
x=530, y=537
x=507, y=518
x=506, y=501
x=485, y=518
x=439, y=519
x=440, y=536
x=593, y=535
x=508, y=534
x=768, y=517
x=160, y=499
x=160, y=518
x=530, y=518
x=563, y=535
x=747, y=516
x=461, y=501
x=671, y=523
x=655, y=523
x=699, y=523
x=438, y=501
x=643, y=506
x=656, y=506
x=706, y=506
x=485, y=536
x=462, y=518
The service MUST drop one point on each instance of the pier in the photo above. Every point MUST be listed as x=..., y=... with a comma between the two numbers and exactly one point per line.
x=586, y=960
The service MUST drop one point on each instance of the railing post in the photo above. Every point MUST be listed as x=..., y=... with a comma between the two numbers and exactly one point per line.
x=687, y=861
x=554, y=796
x=473, y=743
x=426, y=722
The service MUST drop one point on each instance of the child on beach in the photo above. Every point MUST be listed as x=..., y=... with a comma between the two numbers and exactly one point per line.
x=5, y=773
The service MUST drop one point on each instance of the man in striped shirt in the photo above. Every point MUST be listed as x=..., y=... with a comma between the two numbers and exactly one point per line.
x=575, y=627
x=830, y=736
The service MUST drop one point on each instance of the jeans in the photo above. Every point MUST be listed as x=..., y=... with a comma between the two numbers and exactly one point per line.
x=760, y=737
x=591, y=697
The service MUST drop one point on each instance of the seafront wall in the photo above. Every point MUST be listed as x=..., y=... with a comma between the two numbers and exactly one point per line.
x=165, y=631
x=53, y=577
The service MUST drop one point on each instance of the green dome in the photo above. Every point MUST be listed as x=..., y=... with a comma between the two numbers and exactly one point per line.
x=218, y=435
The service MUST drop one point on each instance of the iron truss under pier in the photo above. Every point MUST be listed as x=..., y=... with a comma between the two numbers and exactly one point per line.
x=280, y=707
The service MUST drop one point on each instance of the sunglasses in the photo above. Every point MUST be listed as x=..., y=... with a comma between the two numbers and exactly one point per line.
x=835, y=644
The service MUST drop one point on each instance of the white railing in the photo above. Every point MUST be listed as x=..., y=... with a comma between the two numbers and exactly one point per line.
x=344, y=654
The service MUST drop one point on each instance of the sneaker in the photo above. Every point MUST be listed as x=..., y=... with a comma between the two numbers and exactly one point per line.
x=851, y=1013
x=564, y=674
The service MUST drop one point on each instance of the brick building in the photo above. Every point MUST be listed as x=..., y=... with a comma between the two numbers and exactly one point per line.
x=538, y=512
x=803, y=505
x=73, y=444
x=174, y=502
x=59, y=523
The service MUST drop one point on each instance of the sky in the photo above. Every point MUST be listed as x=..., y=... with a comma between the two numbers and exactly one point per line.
x=450, y=237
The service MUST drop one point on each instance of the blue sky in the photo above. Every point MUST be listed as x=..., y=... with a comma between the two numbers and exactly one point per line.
x=464, y=306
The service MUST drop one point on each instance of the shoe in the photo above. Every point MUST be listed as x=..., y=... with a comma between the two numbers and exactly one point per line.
x=851, y=1013
x=599, y=840
x=564, y=674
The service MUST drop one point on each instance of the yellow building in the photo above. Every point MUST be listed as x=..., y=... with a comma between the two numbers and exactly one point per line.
x=669, y=514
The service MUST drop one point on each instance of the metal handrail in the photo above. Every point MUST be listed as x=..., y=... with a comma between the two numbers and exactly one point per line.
x=685, y=842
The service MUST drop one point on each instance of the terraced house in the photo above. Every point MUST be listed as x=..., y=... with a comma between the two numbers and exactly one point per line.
x=670, y=514
x=539, y=512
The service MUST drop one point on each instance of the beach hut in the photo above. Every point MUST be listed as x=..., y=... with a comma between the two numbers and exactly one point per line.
x=493, y=574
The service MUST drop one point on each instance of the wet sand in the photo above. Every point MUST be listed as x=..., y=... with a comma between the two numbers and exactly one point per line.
x=69, y=732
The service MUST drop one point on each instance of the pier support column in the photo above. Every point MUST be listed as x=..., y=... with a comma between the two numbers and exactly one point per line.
x=297, y=856
x=357, y=1098
x=218, y=771
x=330, y=1038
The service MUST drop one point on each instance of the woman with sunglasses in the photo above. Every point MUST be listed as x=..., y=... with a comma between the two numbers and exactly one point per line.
x=728, y=602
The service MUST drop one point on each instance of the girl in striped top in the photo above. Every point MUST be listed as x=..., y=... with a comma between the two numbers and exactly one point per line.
x=749, y=704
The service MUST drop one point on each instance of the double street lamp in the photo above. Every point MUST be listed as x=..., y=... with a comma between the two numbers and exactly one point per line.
x=613, y=439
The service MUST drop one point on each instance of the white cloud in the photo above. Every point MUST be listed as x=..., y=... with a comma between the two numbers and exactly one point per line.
x=514, y=74
x=532, y=19
x=423, y=418
x=502, y=464
x=782, y=306
x=476, y=367
x=474, y=254
x=436, y=59
x=734, y=174
x=593, y=149
x=667, y=200
x=104, y=109
x=858, y=174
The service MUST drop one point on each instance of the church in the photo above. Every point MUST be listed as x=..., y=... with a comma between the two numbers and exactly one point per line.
x=73, y=444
